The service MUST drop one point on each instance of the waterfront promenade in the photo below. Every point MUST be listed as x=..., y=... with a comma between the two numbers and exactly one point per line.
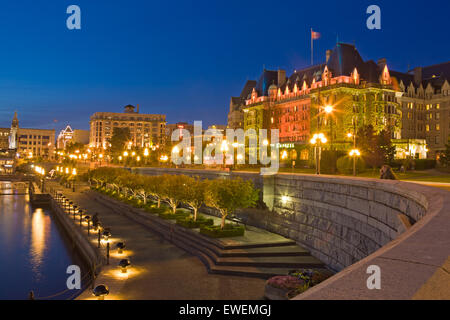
x=160, y=270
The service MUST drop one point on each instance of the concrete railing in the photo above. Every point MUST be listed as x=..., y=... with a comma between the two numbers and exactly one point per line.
x=351, y=223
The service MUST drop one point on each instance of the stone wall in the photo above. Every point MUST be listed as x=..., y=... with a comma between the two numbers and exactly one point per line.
x=340, y=220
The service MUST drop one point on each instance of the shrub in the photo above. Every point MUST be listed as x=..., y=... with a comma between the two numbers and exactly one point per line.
x=189, y=222
x=229, y=230
x=179, y=214
x=424, y=164
x=328, y=160
x=345, y=165
x=310, y=276
x=295, y=292
x=156, y=210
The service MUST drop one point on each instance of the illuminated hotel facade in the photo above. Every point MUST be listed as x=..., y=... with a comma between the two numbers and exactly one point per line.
x=357, y=93
x=146, y=129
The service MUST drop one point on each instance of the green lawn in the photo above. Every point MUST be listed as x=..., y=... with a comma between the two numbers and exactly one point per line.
x=427, y=176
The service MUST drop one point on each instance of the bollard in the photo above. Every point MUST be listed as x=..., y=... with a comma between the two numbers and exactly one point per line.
x=81, y=216
x=89, y=226
x=99, y=237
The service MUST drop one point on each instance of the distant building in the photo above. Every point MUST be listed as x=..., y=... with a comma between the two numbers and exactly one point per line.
x=219, y=127
x=27, y=143
x=4, y=138
x=425, y=104
x=13, y=133
x=170, y=128
x=341, y=95
x=7, y=162
x=36, y=143
x=73, y=136
x=146, y=129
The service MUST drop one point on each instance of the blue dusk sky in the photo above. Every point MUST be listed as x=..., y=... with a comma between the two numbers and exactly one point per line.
x=186, y=59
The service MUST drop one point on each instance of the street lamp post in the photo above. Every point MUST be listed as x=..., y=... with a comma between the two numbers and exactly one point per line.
x=74, y=173
x=146, y=155
x=354, y=153
x=317, y=140
x=224, y=149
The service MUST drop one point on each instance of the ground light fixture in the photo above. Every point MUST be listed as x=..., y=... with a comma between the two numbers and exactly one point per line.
x=120, y=246
x=124, y=264
x=101, y=291
x=81, y=216
x=106, y=234
x=88, y=221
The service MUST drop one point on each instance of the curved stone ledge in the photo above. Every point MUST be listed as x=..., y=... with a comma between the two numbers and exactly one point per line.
x=415, y=265
x=351, y=223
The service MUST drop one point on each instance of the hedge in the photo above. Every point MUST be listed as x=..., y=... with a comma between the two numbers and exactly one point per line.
x=345, y=165
x=179, y=214
x=191, y=224
x=230, y=230
x=424, y=164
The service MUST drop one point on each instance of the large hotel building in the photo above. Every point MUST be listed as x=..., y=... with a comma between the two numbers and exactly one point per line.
x=145, y=129
x=414, y=106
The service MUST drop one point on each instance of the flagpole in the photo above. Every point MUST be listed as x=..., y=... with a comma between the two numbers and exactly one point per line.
x=312, y=48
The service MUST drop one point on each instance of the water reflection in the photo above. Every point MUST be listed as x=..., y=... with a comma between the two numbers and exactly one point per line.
x=40, y=230
x=35, y=253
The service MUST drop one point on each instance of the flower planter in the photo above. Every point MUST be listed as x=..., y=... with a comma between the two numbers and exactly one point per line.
x=273, y=293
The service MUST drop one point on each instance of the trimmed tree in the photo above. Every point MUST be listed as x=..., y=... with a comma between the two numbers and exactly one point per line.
x=194, y=194
x=173, y=187
x=154, y=187
x=227, y=195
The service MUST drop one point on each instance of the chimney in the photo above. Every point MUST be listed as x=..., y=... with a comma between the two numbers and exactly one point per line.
x=281, y=77
x=137, y=108
x=328, y=53
x=417, y=75
x=382, y=62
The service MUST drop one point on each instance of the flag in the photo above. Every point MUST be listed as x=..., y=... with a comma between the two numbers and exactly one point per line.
x=315, y=35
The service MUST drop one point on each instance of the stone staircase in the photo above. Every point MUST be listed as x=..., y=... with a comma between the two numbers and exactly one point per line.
x=262, y=258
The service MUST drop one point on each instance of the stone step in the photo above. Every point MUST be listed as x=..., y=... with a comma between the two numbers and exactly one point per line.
x=228, y=244
x=254, y=272
x=282, y=251
x=227, y=256
x=271, y=262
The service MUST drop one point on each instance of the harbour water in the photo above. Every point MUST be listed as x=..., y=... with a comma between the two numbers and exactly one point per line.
x=34, y=251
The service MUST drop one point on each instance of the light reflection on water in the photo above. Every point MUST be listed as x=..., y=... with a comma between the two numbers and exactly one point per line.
x=40, y=231
x=34, y=254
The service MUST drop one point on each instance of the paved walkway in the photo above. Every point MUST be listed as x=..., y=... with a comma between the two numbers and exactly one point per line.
x=159, y=270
